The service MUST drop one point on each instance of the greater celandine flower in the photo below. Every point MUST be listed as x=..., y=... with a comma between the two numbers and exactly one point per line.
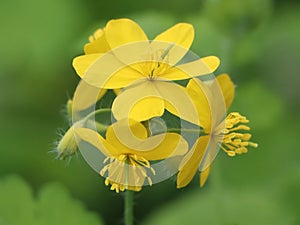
x=143, y=68
x=225, y=133
x=142, y=73
x=129, y=151
x=97, y=46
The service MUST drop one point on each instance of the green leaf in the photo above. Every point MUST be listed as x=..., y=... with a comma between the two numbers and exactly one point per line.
x=16, y=202
x=54, y=205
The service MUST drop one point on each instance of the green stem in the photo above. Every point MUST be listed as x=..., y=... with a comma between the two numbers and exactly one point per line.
x=128, y=214
x=186, y=130
x=95, y=113
x=99, y=126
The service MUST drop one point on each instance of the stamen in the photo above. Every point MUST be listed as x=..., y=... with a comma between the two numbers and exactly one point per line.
x=126, y=171
x=157, y=63
x=106, y=159
x=252, y=144
x=235, y=142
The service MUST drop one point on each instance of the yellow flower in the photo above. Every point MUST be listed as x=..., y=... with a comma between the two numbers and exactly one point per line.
x=129, y=150
x=143, y=68
x=227, y=134
x=97, y=45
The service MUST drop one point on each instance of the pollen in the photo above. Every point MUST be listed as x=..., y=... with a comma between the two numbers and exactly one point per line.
x=235, y=140
x=126, y=172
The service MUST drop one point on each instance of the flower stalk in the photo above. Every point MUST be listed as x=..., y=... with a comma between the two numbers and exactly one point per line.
x=128, y=213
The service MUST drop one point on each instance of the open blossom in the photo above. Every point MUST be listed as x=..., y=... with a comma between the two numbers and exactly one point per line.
x=129, y=152
x=144, y=75
x=229, y=134
x=143, y=68
x=97, y=45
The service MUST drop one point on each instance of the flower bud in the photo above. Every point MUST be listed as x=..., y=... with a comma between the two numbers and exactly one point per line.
x=67, y=145
x=69, y=107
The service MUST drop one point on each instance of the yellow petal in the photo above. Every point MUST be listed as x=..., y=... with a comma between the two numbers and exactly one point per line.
x=181, y=34
x=130, y=137
x=122, y=78
x=212, y=62
x=108, y=72
x=162, y=146
x=203, y=66
x=83, y=62
x=140, y=102
x=134, y=54
x=123, y=31
x=126, y=134
x=209, y=101
x=227, y=87
x=210, y=153
x=171, y=107
x=204, y=175
x=177, y=101
x=147, y=108
x=117, y=91
x=99, y=45
x=190, y=163
x=175, y=73
x=96, y=140
x=181, y=37
x=86, y=96
x=200, y=96
x=217, y=103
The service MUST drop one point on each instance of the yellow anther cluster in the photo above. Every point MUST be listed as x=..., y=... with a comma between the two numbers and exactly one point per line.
x=235, y=142
x=127, y=171
x=156, y=63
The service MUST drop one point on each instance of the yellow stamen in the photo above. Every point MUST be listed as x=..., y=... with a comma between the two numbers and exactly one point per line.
x=157, y=63
x=127, y=171
x=234, y=142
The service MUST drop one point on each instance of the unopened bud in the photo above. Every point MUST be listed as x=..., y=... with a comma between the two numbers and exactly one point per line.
x=67, y=145
x=69, y=107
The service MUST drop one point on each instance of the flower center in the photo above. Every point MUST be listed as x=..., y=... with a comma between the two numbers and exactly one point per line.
x=235, y=141
x=156, y=64
x=127, y=171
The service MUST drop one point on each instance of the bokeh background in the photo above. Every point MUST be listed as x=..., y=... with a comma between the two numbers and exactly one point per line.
x=258, y=42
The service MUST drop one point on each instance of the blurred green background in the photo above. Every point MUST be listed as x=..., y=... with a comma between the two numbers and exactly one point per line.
x=258, y=42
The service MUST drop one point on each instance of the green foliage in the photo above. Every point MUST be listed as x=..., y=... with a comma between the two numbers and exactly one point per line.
x=36, y=37
x=251, y=98
x=223, y=207
x=279, y=59
x=53, y=205
x=234, y=17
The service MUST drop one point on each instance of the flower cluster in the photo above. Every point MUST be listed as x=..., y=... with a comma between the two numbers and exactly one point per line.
x=149, y=84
